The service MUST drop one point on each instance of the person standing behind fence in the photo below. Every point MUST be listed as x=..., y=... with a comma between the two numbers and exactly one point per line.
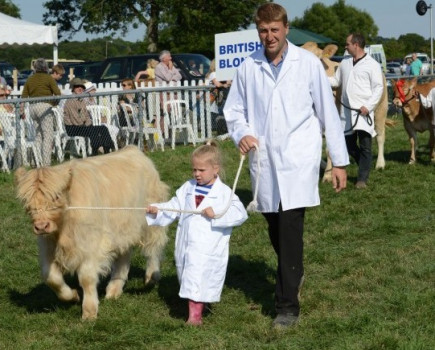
x=165, y=71
x=57, y=72
x=42, y=84
x=416, y=65
x=148, y=74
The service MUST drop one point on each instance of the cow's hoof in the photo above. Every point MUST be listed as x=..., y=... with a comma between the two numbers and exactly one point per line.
x=411, y=162
x=153, y=278
x=89, y=316
x=326, y=179
x=70, y=296
x=114, y=289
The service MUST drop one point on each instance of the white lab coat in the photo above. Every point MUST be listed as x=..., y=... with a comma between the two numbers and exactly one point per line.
x=362, y=85
x=286, y=116
x=428, y=102
x=201, y=244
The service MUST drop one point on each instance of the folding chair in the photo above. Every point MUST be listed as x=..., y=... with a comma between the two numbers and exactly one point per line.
x=99, y=114
x=61, y=138
x=176, y=111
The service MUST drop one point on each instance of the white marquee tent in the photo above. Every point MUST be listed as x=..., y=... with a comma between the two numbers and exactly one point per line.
x=17, y=31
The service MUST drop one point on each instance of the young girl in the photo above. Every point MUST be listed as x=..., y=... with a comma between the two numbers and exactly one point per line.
x=202, y=240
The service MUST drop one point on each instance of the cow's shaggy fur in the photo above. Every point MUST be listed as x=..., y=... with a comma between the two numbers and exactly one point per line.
x=88, y=242
x=416, y=118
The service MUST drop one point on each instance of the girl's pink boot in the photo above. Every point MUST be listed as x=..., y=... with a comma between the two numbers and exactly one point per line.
x=195, y=313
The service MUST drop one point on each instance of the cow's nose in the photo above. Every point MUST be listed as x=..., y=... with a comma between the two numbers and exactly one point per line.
x=41, y=226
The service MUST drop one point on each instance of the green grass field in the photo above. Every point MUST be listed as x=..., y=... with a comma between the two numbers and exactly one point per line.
x=369, y=273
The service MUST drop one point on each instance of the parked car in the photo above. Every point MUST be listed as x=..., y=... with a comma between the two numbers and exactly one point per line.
x=114, y=69
x=7, y=70
x=394, y=68
x=337, y=58
x=25, y=73
x=85, y=70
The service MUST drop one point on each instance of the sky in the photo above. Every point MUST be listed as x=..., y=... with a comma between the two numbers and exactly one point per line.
x=393, y=17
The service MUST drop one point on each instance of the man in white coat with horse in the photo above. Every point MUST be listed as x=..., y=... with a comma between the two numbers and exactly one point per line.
x=280, y=101
x=361, y=79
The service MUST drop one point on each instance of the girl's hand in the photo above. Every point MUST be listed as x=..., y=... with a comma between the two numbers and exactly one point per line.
x=208, y=212
x=152, y=210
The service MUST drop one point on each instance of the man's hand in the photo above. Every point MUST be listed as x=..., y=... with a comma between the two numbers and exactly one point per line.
x=339, y=178
x=364, y=111
x=247, y=143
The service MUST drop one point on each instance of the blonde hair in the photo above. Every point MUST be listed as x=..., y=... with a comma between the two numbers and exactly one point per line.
x=212, y=68
x=152, y=63
x=211, y=153
x=58, y=68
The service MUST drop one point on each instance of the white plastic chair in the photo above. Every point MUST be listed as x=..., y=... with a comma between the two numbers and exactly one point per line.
x=28, y=143
x=3, y=158
x=154, y=131
x=61, y=138
x=3, y=155
x=177, y=112
x=98, y=114
x=132, y=129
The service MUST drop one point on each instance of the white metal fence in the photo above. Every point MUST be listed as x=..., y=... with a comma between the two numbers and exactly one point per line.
x=38, y=131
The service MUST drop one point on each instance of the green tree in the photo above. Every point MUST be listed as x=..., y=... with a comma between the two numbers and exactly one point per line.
x=337, y=21
x=10, y=9
x=414, y=43
x=192, y=24
x=182, y=25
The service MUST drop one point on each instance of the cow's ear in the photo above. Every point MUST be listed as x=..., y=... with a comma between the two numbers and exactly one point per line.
x=65, y=175
x=330, y=50
x=19, y=173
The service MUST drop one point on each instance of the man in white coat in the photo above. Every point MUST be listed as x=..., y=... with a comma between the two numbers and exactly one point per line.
x=361, y=79
x=280, y=101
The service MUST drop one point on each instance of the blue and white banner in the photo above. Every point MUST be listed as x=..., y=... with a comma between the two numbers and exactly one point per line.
x=231, y=49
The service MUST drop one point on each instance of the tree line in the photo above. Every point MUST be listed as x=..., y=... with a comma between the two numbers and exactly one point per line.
x=185, y=26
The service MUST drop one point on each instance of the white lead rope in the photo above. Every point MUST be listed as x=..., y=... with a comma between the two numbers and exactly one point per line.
x=251, y=206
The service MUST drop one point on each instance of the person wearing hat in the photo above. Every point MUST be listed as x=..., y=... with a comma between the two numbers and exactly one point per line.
x=78, y=120
x=90, y=88
x=42, y=84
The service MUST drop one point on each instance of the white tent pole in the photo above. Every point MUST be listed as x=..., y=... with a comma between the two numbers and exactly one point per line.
x=55, y=54
x=55, y=45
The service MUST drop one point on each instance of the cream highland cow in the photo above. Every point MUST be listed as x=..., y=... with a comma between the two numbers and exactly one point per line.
x=93, y=242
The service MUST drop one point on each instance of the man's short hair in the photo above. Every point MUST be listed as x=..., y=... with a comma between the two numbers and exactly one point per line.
x=271, y=12
x=358, y=38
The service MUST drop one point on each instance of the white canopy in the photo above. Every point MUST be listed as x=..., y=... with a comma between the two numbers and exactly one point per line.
x=16, y=31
